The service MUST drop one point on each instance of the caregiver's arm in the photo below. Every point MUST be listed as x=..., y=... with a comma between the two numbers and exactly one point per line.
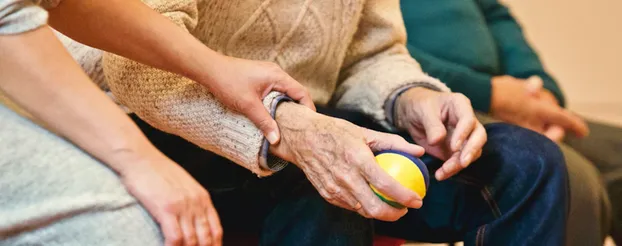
x=131, y=29
x=38, y=74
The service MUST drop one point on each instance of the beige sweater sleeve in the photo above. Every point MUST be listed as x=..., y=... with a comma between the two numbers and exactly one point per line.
x=180, y=106
x=378, y=64
x=18, y=16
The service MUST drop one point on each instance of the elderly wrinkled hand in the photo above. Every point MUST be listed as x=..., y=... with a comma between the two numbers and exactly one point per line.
x=444, y=124
x=526, y=103
x=337, y=158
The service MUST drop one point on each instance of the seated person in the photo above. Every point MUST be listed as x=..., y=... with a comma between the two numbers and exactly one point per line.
x=477, y=48
x=100, y=169
x=352, y=58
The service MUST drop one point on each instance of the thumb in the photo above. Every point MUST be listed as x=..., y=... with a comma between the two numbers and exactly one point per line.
x=534, y=85
x=290, y=87
x=262, y=119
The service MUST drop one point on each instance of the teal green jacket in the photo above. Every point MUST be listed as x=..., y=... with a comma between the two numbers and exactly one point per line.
x=464, y=43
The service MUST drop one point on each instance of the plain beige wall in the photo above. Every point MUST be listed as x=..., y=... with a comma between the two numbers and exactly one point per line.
x=580, y=43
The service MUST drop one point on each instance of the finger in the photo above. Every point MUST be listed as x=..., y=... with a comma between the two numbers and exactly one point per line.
x=188, y=229
x=475, y=143
x=564, y=118
x=464, y=128
x=334, y=193
x=173, y=235
x=214, y=224
x=203, y=232
x=290, y=87
x=371, y=205
x=534, y=85
x=434, y=129
x=258, y=114
x=478, y=155
x=386, y=184
x=379, y=141
x=555, y=133
x=449, y=168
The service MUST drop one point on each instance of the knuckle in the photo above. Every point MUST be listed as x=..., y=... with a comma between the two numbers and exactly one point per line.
x=175, y=239
x=398, y=139
x=461, y=97
x=353, y=155
x=375, y=211
x=273, y=68
x=331, y=200
x=191, y=241
x=264, y=123
x=174, y=205
x=240, y=103
x=332, y=189
x=381, y=184
x=217, y=233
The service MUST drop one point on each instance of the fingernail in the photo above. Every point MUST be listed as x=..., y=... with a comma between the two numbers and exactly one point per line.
x=439, y=174
x=272, y=138
x=466, y=159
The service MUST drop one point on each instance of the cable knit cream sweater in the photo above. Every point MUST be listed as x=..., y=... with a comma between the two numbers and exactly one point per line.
x=349, y=54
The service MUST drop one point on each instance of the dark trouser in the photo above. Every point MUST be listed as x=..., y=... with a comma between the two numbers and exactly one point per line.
x=515, y=194
x=603, y=147
x=589, y=209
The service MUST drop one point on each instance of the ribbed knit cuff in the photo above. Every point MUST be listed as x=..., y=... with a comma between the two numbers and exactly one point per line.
x=389, y=105
x=268, y=161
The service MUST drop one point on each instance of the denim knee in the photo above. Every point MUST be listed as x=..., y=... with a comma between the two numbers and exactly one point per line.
x=526, y=152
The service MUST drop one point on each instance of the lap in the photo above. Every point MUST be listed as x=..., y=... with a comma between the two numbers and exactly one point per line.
x=54, y=193
x=450, y=205
x=603, y=147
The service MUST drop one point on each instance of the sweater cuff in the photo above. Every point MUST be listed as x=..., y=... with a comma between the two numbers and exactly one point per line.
x=20, y=16
x=268, y=161
x=389, y=105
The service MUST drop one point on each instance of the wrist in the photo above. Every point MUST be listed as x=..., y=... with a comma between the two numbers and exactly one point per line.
x=205, y=66
x=497, y=101
x=291, y=113
x=403, y=101
x=133, y=158
x=292, y=119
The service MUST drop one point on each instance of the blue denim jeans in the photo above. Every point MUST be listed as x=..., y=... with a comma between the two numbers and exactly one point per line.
x=515, y=194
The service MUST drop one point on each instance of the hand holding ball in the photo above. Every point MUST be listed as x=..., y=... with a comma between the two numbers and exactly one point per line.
x=408, y=170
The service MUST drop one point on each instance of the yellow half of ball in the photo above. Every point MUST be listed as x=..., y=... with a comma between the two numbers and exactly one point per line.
x=404, y=171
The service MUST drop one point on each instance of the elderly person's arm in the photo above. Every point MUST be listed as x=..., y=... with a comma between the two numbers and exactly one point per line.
x=333, y=153
x=131, y=29
x=178, y=105
x=381, y=79
x=40, y=76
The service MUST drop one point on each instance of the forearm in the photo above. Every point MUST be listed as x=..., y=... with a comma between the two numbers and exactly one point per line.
x=180, y=106
x=131, y=29
x=39, y=75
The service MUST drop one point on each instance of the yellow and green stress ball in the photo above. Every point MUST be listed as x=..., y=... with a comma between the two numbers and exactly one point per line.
x=408, y=170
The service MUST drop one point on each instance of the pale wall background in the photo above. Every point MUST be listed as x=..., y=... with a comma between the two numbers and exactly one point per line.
x=580, y=43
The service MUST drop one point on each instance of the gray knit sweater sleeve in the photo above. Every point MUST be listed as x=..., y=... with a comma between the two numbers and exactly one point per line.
x=18, y=16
